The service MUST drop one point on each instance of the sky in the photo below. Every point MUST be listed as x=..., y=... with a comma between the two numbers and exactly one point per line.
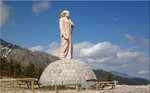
x=112, y=35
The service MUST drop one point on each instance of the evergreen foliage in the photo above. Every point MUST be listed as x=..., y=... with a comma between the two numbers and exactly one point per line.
x=109, y=77
x=13, y=68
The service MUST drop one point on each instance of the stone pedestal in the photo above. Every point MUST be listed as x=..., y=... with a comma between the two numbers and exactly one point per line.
x=67, y=72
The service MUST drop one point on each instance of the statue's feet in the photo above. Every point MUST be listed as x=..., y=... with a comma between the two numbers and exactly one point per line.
x=62, y=58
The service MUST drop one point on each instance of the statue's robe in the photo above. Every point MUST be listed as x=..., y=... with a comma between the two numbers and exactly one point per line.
x=66, y=48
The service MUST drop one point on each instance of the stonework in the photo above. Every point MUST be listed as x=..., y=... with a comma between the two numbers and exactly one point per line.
x=66, y=72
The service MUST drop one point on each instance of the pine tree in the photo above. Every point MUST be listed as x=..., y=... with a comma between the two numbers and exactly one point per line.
x=11, y=67
x=38, y=71
x=17, y=69
x=5, y=70
x=29, y=70
x=109, y=77
x=2, y=63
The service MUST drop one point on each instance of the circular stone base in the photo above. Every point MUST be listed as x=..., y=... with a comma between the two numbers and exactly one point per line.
x=67, y=72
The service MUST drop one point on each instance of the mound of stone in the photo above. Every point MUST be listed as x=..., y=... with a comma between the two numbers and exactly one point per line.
x=67, y=72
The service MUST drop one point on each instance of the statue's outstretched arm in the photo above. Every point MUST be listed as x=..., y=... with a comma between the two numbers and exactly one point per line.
x=72, y=25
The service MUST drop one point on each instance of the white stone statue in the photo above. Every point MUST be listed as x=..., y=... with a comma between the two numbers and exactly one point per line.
x=66, y=27
x=66, y=71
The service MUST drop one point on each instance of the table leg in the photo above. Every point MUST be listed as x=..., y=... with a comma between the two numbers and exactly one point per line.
x=32, y=86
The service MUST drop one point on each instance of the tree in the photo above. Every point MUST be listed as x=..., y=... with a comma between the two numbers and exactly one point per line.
x=38, y=71
x=101, y=79
x=11, y=67
x=29, y=70
x=2, y=63
x=17, y=69
x=109, y=77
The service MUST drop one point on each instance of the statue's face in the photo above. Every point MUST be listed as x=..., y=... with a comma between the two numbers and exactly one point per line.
x=67, y=14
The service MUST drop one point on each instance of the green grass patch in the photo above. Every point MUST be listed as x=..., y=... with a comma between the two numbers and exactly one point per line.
x=59, y=88
x=51, y=88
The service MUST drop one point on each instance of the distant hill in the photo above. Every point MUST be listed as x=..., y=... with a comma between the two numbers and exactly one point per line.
x=122, y=80
x=25, y=55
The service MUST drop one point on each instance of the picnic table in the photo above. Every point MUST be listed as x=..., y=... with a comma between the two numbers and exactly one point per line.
x=102, y=85
x=32, y=80
x=88, y=81
x=28, y=82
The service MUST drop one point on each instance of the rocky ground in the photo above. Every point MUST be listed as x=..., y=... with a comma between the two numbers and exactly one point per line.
x=10, y=87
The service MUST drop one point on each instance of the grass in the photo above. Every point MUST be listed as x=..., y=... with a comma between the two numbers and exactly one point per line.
x=59, y=88
x=50, y=88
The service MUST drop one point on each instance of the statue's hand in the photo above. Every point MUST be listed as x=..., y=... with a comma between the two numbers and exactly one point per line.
x=65, y=36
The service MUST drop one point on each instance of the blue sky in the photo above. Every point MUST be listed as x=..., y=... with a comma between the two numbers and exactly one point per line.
x=116, y=32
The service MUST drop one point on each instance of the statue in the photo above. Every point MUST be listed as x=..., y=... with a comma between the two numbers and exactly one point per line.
x=66, y=27
x=66, y=71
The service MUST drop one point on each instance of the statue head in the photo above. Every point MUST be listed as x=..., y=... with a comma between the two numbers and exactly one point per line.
x=65, y=13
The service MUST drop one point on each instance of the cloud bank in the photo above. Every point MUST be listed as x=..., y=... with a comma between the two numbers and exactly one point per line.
x=102, y=52
x=105, y=55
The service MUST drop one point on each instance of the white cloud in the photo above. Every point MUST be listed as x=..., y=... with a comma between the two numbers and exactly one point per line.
x=4, y=13
x=40, y=7
x=98, y=60
x=99, y=50
x=129, y=38
x=105, y=52
x=132, y=48
x=37, y=48
x=145, y=43
x=53, y=49
x=143, y=72
x=54, y=45
x=105, y=55
x=102, y=52
x=127, y=56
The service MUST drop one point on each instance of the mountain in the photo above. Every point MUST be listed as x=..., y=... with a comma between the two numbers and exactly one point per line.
x=101, y=74
x=120, y=74
x=24, y=55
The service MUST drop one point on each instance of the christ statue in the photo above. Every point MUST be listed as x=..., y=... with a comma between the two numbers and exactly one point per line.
x=66, y=27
